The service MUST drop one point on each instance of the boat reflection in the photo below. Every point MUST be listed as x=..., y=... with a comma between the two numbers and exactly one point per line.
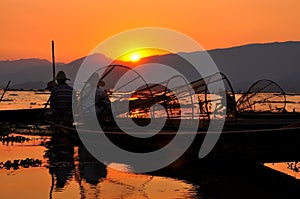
x=63, y=164
x=66, y=165
x=91, y=170
x=60, y=154
x=73, y=169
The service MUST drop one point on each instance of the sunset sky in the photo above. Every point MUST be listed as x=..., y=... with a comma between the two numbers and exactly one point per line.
x=27, y=27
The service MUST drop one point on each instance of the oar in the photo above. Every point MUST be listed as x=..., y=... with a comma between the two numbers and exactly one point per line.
x=5, y=90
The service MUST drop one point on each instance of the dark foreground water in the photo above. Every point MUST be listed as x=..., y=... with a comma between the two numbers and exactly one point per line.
x=44, y=167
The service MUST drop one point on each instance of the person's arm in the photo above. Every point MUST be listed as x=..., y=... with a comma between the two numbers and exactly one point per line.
x=52, y=97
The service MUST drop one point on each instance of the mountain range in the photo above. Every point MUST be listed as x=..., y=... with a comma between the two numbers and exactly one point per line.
x=243, y=65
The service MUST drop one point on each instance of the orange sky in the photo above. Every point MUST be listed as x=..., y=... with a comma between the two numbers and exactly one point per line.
x=28, y=26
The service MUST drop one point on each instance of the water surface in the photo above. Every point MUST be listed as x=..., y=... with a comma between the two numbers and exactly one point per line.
x=69, y=171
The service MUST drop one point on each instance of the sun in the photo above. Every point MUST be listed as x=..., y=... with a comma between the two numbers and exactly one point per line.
x=135, y=56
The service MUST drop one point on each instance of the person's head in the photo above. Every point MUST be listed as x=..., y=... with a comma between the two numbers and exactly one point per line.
x=61, y=78
x=101, y=83
x=93, y=79
x=50, y=85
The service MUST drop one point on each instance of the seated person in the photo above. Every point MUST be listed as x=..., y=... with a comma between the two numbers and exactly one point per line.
x=94, y=98
x=103, y=104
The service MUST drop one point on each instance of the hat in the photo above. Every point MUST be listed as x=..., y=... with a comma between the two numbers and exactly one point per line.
x=61, y=76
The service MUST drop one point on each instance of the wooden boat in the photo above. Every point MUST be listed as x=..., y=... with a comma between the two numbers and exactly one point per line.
x=31, y=116
x=245, y=115
x=251, y=146
x=255, y=139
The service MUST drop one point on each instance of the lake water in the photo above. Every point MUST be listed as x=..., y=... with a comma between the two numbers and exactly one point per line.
x=41, y=167
x=23, y=99
x=67, y=171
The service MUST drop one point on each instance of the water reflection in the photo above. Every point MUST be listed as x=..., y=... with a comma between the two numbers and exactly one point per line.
x=289, y=168
x=91, y=170
x=63, y=167
x=69, y=165
x=69, y=171
x=91, y=174
x=60, y=156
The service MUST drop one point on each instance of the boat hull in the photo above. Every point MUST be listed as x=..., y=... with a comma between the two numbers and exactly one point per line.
x=251, y=146
x=22, y=115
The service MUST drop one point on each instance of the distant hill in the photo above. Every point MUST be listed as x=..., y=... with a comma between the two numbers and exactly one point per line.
x=243, y=65
x=30, y=85
x=97, y=60
x=25, y=72
x=35, y=73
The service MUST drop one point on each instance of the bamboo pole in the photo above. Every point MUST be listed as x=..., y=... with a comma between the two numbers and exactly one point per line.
x=53, y=61
x=5, y=90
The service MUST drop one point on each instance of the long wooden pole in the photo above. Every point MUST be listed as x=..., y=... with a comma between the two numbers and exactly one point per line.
x=5, y=90
x=48, y=101
x=53, y=61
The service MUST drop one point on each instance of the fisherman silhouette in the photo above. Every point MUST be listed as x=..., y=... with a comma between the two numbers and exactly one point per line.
x=93, y=96
x=61, y=100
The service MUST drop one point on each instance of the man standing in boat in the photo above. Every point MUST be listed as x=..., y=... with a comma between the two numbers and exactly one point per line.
x=61, y=99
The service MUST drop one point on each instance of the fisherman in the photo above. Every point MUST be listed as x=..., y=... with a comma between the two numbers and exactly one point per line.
x=95, y=102
x=87, y=98
x=103, y=104
x=61, y=99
